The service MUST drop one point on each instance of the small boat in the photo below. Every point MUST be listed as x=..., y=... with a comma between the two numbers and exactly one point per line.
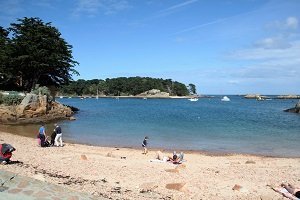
x=193, y=99
x=259, y=98
x=225, y=98
x=61, y=97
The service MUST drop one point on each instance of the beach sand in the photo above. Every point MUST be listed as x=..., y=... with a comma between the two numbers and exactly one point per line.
x=122, y=173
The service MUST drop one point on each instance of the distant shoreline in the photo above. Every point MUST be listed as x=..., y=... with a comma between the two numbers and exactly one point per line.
x=30, y=134
x=183, y=97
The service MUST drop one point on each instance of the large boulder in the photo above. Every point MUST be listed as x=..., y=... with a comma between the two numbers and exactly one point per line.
x=7, y=114
x=34, y=109
x=290, y=96
x=296, y=109
x=33, y=105
x=154, y=93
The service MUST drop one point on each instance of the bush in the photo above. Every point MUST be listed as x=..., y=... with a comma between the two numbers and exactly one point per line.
x=43, y=90
x=12, y=99
x=1, y=98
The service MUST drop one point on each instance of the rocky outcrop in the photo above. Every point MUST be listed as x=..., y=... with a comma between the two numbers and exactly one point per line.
x=34, y=109
x=154, y=93
x=296, y=109
x=255, y=96
x=288, y=97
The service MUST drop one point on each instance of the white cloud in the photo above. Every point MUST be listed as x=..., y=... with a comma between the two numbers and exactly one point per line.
x=93, y=7
x=273, y=43
x=292, y=22
x=292, y=52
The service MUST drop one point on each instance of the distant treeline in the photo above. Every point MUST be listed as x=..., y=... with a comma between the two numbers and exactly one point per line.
x=124, y=86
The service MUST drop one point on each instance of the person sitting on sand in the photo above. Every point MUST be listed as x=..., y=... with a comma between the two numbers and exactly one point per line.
x=175, y=159
x=288, y=191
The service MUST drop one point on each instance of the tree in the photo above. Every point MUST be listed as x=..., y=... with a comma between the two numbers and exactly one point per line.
x=39, y=54
x=192, y=88
x=6, y=74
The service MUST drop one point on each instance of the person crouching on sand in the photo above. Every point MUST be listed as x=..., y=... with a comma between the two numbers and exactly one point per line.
x=42, y=135
x=145, y=144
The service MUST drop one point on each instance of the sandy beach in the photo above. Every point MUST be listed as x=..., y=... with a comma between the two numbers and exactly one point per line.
x=120, y=173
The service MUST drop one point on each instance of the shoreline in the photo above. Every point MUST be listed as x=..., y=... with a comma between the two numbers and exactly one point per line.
x=202, y=152
x=123, y=173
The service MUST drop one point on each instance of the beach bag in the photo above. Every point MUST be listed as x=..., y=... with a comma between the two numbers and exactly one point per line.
x=6, y=152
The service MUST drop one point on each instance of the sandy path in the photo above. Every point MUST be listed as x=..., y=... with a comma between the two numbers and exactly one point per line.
x=102, y=171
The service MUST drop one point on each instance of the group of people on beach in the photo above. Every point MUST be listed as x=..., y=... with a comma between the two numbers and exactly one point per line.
x=175, y=158
x=56, y=136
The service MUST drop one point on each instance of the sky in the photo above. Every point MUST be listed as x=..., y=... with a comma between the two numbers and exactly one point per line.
x=221, y=46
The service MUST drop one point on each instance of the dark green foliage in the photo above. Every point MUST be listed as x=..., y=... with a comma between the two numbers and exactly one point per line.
x=37, y=54
x=6, y=73
x=42, y=90
x=192, y=88
x=123, y=86
x=1, y=98
x=11, y=99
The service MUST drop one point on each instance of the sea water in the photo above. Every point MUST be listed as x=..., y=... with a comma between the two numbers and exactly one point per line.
x=239, y=126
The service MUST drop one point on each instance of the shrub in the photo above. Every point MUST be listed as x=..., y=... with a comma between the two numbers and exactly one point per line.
x=43, y=90
x=12, y=99
x=1, y=98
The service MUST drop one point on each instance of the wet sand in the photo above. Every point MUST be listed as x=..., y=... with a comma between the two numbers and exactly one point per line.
x=123, y=173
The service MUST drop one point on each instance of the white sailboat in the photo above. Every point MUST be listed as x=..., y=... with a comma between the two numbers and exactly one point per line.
x=97, y=94
x=225, y=98
x=193, y=99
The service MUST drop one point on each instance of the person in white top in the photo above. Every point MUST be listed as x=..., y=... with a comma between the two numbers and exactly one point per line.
x=58, y=137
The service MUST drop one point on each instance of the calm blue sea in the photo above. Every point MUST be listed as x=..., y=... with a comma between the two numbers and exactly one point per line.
x=240, y=126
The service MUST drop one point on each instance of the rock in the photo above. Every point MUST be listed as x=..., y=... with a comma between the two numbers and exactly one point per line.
x=7, y=114
x=147, y=187
x=255, y=96
x=296, y=109
x=237, y=187
x=250, y=162
x=175, y=186
x=154, y=93
x=30, y=101
x=298, y=105
x=252, y=96
x=288, y=97
x=35, y=109
x=83, y=157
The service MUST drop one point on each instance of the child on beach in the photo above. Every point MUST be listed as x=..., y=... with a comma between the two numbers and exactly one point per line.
x=144, y=145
